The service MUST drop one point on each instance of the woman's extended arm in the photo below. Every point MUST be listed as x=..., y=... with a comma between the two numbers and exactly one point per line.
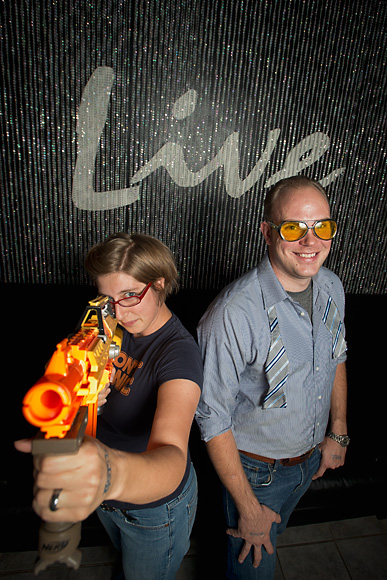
x=97, y=472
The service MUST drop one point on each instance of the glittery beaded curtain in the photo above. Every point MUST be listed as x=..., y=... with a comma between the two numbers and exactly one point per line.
x=173, y=118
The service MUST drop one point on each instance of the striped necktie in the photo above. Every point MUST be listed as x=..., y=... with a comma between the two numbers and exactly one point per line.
x=277, y=366
x=334, y=324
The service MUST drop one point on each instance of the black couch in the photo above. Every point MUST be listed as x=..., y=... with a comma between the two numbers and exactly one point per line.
x=40, y=316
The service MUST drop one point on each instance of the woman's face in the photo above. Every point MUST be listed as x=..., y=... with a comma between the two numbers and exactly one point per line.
x=144, y=318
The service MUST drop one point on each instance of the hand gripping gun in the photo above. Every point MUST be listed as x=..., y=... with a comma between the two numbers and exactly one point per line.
x=63, y=403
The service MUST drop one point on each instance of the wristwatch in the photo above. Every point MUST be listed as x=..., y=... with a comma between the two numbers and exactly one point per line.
x=343, y=440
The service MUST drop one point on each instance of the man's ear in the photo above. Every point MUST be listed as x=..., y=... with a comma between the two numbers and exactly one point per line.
x=266, y=232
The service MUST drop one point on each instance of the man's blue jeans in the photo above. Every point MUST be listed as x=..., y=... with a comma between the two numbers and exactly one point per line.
x=154, y=541
x=278, y=487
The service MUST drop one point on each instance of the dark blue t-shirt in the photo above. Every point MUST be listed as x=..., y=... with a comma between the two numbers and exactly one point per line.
x=143, y=365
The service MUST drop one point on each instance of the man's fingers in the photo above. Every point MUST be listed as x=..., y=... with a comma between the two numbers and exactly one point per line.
x=257, y=556
x=321, y=470
x=245, y=551
x=269, y=547
x=257, y=552
x=233, y=533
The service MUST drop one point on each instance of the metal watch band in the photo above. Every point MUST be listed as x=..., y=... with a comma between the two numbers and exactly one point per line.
x=343, y=440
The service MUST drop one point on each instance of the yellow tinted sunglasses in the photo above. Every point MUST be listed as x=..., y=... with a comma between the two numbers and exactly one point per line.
x=292, y=231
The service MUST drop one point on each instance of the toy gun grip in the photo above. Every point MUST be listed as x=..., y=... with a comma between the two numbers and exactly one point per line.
x=58, y=541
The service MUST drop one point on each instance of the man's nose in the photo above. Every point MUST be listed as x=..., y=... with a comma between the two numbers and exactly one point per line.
x=309, y=239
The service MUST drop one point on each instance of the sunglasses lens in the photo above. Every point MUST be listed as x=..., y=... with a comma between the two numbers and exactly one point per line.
x=326, y=230
x=293, y=231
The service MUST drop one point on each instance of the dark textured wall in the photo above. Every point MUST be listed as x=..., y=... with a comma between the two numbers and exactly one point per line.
x=174, y=117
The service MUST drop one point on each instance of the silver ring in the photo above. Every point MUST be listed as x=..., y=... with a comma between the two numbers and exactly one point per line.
x=54, y=500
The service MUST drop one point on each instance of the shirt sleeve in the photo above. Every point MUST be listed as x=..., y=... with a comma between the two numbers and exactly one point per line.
x=223, y=350
x=181, y=360
x=339, y=297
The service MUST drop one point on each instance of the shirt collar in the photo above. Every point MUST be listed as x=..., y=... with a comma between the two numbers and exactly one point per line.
x=272, y=290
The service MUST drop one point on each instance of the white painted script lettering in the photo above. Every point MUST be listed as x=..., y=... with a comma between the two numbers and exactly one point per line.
x=92, y=115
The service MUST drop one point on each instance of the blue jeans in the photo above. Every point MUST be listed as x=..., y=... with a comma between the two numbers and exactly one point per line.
x=278, y=487
x=154, y=541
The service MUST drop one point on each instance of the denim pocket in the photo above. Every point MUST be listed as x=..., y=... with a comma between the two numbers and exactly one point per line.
x=147, y=519
x=258, y=474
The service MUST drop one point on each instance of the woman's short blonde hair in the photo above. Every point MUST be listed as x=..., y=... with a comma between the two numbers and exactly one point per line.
x=141, y=256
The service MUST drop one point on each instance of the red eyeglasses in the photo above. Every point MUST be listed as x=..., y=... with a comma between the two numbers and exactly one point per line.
x=131, y=300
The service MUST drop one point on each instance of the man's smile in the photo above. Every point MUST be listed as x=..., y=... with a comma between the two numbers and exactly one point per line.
x=310, y=255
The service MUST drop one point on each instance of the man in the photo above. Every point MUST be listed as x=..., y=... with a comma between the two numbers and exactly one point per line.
x=274, y=358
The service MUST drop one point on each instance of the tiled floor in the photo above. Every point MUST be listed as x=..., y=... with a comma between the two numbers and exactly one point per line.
x=344, y=550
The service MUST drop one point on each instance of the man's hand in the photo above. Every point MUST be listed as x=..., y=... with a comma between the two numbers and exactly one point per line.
x=255, y=530
x=83, y=478
x=332, y=456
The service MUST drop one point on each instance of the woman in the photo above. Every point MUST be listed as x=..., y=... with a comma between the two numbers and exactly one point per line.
x=139, y=474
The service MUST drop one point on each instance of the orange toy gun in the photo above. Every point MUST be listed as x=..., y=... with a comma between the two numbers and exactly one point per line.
x=64, y=404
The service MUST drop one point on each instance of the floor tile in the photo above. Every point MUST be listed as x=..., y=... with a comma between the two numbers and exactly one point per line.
x=305, y=534
x=345, y=550
x=99, y=572
x=17, y=561
x=99, y=554
x=366, y=558
x=318, y=561
x=49, y=574
x=357, y=527
x=278, y=575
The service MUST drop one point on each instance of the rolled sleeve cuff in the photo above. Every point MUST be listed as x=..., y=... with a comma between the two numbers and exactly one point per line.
x=211, y=426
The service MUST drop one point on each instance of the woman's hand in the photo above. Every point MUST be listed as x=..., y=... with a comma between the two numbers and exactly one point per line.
x=97, y=473
x=102, y=395
x=83, y=479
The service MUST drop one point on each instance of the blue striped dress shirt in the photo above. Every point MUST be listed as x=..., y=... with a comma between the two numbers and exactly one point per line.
x=234, y=337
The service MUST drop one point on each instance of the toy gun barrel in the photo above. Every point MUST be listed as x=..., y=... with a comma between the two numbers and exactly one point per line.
x=53, y=401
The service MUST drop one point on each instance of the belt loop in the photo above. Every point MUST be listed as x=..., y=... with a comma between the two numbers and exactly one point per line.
x=275, y=465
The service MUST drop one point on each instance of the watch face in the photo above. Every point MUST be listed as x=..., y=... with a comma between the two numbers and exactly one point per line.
x=343, y=440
